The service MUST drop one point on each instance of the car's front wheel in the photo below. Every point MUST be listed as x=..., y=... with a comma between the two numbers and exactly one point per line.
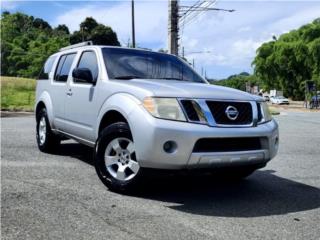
x=115, y=158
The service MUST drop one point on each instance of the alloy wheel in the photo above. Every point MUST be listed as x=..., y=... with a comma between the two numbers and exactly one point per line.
x=120, y=159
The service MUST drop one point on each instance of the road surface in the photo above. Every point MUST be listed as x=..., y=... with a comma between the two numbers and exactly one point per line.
x=59, y=196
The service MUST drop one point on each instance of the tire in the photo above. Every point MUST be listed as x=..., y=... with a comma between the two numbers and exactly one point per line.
x=47, y=141
x=115, y=159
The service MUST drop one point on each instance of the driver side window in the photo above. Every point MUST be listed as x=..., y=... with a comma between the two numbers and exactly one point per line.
x=88, y=60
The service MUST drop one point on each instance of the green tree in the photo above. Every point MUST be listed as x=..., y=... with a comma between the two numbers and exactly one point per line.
x=238, y=81
x=26, y=42
x=288, y=62
x=98, y=33
x=62, y=28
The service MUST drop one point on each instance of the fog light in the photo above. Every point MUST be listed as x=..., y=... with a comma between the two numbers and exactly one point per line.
x=170, y=146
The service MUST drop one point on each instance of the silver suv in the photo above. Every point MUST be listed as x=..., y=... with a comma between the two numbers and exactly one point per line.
x=141, y=109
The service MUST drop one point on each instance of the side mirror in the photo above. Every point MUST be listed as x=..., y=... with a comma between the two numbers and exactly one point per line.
x=83, y=75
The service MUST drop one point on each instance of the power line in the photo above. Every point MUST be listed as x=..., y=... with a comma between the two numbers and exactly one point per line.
x=207, y=8
x=188, y=11
x=198, y=13
x=185, y=15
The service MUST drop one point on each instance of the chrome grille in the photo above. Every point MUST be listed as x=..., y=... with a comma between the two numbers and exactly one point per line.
x=218, y=111
x=214, y=112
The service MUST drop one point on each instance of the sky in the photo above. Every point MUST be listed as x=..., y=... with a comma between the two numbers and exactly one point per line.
x=227, y=41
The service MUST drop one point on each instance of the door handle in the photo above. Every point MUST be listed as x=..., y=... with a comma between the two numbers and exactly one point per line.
x=69, y=93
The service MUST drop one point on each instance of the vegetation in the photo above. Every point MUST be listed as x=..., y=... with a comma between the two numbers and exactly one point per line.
x=285, y=63
x=288, y=62
x=17, y=94
x=238, y=81
x=26, y=42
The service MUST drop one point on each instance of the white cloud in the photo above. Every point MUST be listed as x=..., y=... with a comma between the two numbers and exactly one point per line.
x=8, y=5
x=234, y=37
x=244, y=29
x=150, y=20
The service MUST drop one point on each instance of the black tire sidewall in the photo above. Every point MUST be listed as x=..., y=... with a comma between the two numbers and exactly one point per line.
x=113, y=131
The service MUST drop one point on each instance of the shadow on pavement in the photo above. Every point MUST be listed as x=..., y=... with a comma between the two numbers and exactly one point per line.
x=261, y=194
x=77, y=150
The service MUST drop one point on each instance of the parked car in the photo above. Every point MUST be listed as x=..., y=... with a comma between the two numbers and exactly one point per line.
x=279, y=100
x=140, y=109
x=315, y=102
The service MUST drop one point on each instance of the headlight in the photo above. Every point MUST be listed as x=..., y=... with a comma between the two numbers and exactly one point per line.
x=265, y=112
x=166, y=108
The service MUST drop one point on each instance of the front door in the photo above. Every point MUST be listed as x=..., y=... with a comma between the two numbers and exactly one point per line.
x=81, y=108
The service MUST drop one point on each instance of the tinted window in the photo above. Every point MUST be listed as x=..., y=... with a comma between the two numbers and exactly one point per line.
x=130, y=63
x=63, y=68
x=44, y=74
x=88, y=60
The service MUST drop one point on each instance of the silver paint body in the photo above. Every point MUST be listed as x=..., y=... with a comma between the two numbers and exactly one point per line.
x=76, y=110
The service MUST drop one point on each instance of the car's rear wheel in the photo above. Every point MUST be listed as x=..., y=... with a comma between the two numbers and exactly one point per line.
x=47, y=141
x=115, y=158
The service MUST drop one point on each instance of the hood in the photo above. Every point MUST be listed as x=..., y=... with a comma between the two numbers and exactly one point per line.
x=182, y=89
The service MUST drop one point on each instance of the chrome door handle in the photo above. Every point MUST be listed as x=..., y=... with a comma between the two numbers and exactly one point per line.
x=69, y=93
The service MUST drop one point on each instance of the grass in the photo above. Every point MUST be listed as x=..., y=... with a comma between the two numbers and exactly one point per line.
x=17, y=94
x=273, y=111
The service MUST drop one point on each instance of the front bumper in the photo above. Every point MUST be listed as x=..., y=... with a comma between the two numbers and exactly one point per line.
x=150, y=134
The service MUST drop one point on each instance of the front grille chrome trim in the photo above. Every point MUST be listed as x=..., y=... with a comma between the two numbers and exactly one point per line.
x=210, y=119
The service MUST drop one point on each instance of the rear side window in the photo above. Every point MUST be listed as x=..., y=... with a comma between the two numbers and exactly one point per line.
x=88, y=60
x=63, y=67
x=44, y=74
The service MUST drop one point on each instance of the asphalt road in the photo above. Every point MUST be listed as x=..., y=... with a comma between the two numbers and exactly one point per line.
x=60, y=197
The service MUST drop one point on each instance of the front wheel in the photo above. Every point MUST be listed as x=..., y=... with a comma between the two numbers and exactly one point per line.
x=115, y=158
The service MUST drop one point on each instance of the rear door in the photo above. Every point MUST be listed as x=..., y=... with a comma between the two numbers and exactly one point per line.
x=81, y=103
x=59, y=87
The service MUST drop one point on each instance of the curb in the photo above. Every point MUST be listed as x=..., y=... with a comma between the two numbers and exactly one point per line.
x=6, y=114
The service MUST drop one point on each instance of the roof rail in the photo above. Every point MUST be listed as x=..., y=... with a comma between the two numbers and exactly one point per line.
x=82, y=44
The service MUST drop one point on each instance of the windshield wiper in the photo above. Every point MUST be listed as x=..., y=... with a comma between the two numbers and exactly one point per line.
x=126, y=77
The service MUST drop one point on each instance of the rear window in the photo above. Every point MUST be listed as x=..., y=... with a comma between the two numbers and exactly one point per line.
x=63, y=68
x=44, y=74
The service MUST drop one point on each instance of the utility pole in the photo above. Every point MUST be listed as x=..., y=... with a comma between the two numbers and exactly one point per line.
x=173, y=27
x=132, y=20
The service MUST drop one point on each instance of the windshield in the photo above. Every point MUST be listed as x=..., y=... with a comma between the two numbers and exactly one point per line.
x=130, y=63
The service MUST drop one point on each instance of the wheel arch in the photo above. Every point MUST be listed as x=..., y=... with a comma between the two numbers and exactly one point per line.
x=116, y=108
x=44, y=101
x=110, y=117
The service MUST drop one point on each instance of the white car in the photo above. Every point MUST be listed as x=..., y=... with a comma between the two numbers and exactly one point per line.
x=279, y=100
